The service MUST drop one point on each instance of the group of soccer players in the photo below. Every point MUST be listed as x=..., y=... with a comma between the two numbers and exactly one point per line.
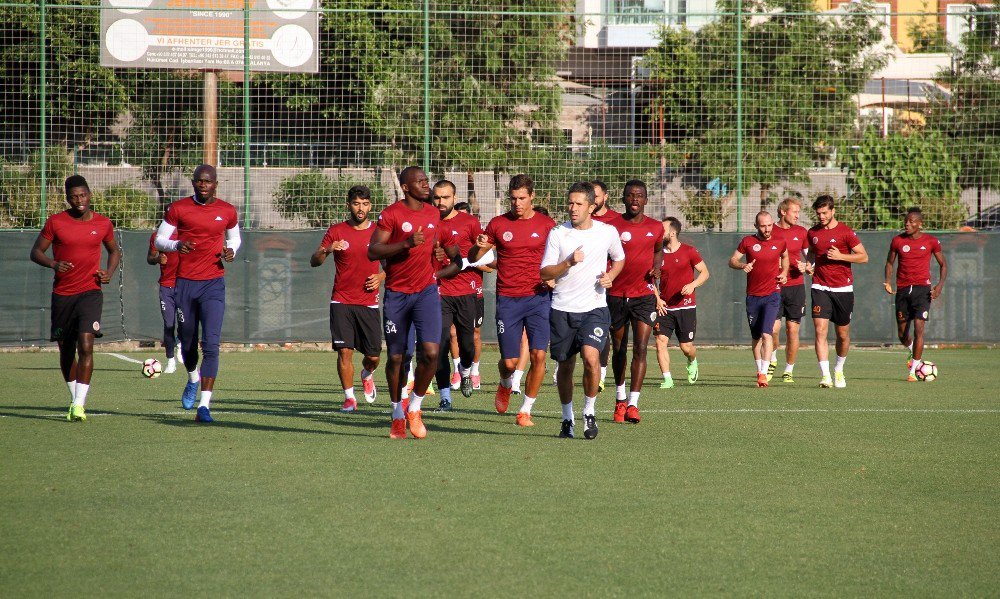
x=578, y=290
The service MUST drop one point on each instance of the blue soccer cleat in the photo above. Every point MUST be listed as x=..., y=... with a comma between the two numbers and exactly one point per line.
x=189, y=396
x=203, y=415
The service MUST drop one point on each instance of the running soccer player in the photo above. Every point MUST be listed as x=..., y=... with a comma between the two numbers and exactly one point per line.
x=404, y=238
x=632, y=298
x=76, y=236
x=576, y=258
x=207, y=235
x=458, y=294
x=168, y=305
x=766, y=266
x=522, y=298
x=914, y=293
x=603, y=214
x=676, y=305
x=793, y=292
x=833, y=248
x=354, y=317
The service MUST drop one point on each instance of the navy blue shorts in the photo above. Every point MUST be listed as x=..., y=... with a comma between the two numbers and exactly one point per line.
x=762, y=311
x=571, y=331
x=517, y=314
x=421, y=309
x=201, y=304
x=168, y=307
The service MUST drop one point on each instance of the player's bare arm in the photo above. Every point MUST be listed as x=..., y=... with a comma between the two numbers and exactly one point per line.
x=554, y=271
x=380, y=249
x=479, y=250
x=38, y=256
x=657, y=263
x=114, y=258
x=702, y=269
x=607, y=279
x=942, y=274
x=783, y=275
x=858, y=255
x=454, y=265
x=889, y=262
x=736, y=262
x=374, y=281
x=155, y=256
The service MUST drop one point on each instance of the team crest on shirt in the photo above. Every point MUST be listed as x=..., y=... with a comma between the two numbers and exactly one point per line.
x=815, y=240
x=507, y=236
x=756, y=247
x=626, y=236
x=347, y=245
x=906, y=248
x=407, y=227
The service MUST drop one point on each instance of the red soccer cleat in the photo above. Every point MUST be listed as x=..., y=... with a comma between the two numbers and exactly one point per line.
x=456, y=379
x=398, y=429
x=632, y=414
x=406, y=404
x=477, y=382
x=417, y=428
x=620, y=411
x=502, y=399
x=761, y=380
x=524, y=419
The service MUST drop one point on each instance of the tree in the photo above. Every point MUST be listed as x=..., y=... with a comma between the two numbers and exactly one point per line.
x=927, y=34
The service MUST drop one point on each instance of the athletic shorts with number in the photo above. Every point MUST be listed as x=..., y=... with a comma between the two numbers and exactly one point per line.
x=168, y=306
x=480, y=311
x=355, y=327
x=421, y=309
x=683, y=322
x=571, y=331
x=75, y=314
x=626, y=309
x=518, y=314
x=835, y=306
x=793, y=303
x=913, y=302
x=762, y=311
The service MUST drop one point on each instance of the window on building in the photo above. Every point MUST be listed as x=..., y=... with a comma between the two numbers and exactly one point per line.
x=958, y=22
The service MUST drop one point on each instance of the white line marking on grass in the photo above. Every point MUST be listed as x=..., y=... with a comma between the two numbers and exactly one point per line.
x=121, y=357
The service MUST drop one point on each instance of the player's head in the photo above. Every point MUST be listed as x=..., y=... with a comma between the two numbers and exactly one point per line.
x=764, y=224
x=205, y=181
x=824, y=209
x=522, y=193
x=414, y=183
x=788, y=211
x=635, y=196
x=541, y=210
x=78, y=193
x=581, y=202
x=914, y=220
x=600, y=194
x=443, y=196
x=359, y=203
x=671, y=227
x=463, y=207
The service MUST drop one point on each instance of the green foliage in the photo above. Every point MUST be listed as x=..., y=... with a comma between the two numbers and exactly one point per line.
x=127, y=206
x=320, y=199
x=887, y=175
x=702, y=209
x=927, y=34
x=21, y=188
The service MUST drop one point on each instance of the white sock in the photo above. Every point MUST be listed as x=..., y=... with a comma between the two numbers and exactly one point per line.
x=475, y=369
x=529, y=402
x=194, y=376
x=567, y=409
x=349, y=393
x=72, y=390
x=409, y=375
x=666, y=376
x=415, y=403
x=464, y=372
x=365, y=373
x=588, y=405
x=910, y=347
x=604, y=372
x=633, y=398
x=397, y=410
x=516, y=380
x=839, y=366
x=620, y=392
x=80, y=397
x=915, y=365
x=761, y=365
x=206, y=399
x=789, y=368
x=404, y=393
x=774, y=356
x=507, y=382
x=171, y=362
x=456, y=362
x=824, y=368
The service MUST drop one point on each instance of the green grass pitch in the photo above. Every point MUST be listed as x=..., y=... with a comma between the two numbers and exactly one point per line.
x=883, y=488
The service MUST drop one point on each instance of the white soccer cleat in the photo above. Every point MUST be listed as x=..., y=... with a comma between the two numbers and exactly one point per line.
x=171, y=366
x=839, y=381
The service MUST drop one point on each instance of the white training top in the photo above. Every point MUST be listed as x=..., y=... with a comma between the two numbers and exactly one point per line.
x=578, y=290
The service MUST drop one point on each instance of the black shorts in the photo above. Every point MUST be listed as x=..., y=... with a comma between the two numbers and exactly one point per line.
x=793, y=303
x=835, y=306
x=913, y=303
x=571, y=331
x=626, y=309
x=480, y=311
x=458, y=310
x=683, y=322
x=356, y=327
x=75, y=314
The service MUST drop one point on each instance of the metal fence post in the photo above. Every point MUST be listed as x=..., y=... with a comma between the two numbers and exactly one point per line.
x=427, y=86
x=739, y=115
x=43, y=98
x=246, y=115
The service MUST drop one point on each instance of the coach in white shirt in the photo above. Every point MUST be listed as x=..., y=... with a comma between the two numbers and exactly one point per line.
x=576, y=257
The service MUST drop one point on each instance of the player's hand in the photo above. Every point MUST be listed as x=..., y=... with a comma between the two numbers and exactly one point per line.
x=373, y=282
x=782, y=278
x=62, y=266
x=835, y=254
x=337, y=246
x=417, y=238
x=749, y=266
x=185, y=247
x=802, y=265
x=228, y=254
x=661, y=307
x=483, y=241
x=888, y=289
x=162, y=258
x=551, y=283
x=577, y=256
x=654, y=273
x=604, y=280
x=439, y=253
x=103, y=276
x=687, y=289
x=935, y=291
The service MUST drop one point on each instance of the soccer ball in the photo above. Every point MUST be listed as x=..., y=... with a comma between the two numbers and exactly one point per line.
x=927, y=371
x=151, y=368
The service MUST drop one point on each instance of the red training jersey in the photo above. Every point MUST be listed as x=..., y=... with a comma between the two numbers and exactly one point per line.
x=205, y=226
x=520, y=244
x=832, y=275
x=412, y=269
x=79, y=242
x=353, y=265
x=607, y=218
x=639, y=242
x=766, y=257
x=678, y=271
x=461, y=230
x=168, y=271
x=914, y=258
x=796, y=240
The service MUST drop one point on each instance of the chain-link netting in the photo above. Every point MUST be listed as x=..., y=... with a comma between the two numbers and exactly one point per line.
x=722, y=107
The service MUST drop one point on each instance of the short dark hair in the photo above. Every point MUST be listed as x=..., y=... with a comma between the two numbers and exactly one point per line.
x=541, y=210
x=446, y=183
x=915, y=210
x=405, y=173
x=463, y=207
x=601, y=184
x=823, y=201
x=674, y=224
x=75, y=181
x=359, y=191
x=521, y=181
x=633, y=183
x=206, y=167
x=583, y=187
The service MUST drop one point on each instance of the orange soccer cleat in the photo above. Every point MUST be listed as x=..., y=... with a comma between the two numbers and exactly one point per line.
x=761, y=380
x=632, y=414
x=417, y=428
x=524, y=419
x=398, y=429
x=620, y=407
x=502, y=399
